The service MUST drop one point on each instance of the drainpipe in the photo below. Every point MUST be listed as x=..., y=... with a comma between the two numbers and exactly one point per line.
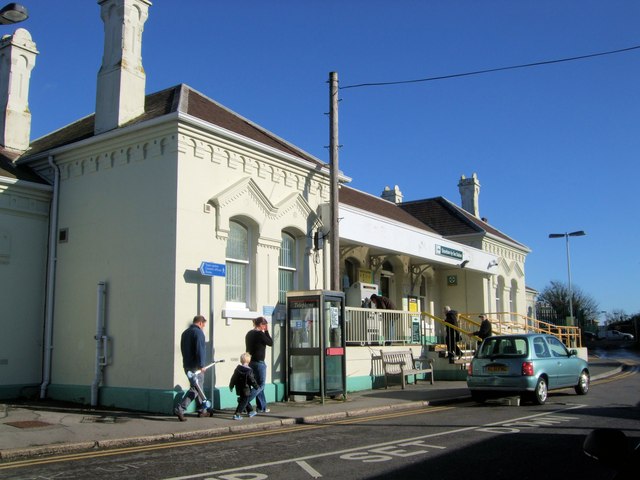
x=101, y=340
x=51, y=276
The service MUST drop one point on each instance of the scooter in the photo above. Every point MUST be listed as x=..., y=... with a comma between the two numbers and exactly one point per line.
x=613, y=448
x=193, y=382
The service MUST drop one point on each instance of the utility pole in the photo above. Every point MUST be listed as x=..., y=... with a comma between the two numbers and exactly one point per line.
x=334, y=236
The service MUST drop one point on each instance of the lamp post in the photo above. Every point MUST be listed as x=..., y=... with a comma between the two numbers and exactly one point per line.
x=13, y=13
x=579, y=233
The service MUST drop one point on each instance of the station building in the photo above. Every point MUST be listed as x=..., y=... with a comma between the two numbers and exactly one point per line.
x=105, y=222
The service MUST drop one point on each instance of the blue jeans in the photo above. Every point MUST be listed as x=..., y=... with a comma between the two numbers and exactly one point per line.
x=260, y=372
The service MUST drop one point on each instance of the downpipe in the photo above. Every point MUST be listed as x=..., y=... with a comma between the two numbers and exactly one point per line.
x=51, y=277
x=101, y=343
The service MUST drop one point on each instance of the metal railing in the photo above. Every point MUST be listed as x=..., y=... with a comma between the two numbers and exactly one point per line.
x=367, y=326
x=503, y=323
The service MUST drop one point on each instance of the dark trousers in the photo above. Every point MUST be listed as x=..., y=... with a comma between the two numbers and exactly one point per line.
x=452, y=342
x=244, y=401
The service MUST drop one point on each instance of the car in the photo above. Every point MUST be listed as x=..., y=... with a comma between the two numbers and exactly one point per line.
x=615, y=335
x=528, y=365
x=590, y=336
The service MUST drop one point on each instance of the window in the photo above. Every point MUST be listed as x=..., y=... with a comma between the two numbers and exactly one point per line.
x=237, y=263
x=557, y=348
x=286, y=266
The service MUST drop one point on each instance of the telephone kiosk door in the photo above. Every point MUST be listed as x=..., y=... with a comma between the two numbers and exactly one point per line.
x=315, y=344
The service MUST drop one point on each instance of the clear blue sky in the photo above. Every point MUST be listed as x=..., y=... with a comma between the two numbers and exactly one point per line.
x=555, y=147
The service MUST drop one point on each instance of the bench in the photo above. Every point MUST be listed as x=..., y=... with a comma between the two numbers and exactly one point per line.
x=402, y=363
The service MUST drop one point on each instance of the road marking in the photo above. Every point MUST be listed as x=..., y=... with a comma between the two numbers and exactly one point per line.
x=225, y=438
x=377, y=445
x=309, y=469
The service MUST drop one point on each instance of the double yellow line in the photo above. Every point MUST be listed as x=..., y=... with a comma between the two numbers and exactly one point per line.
x=225, y=438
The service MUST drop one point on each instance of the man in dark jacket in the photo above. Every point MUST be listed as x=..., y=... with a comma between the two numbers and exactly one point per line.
x=453, y=336
x=192, y=346
x=485, y=328
x=382, y=303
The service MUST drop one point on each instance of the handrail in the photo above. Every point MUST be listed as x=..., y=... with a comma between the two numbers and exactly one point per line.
x=369, y=326
x=570, y=335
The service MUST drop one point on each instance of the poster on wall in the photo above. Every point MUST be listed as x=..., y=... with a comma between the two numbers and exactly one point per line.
x=365, y=276
x=413, y=303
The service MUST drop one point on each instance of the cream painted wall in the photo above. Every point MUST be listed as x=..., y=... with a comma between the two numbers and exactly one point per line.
x=117, y=200
x=24, y=209
x=218, y=180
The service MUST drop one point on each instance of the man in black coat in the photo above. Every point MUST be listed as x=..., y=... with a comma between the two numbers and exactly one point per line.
x=192, y=347
x=485, y=328
x=453, y=336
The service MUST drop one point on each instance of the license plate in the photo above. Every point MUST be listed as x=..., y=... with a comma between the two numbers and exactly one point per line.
x=497, y=368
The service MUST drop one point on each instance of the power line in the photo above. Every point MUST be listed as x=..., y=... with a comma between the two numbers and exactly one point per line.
x=490, y=70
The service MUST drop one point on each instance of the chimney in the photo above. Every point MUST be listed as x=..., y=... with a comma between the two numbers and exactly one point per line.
x=121, y=79
x=469, y=191
x=17, y=59
x=394, y=196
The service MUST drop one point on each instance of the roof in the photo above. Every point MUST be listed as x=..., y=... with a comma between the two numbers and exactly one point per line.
x=180, y=98
x=379, y=206
x=9, y=169
x=449, y=220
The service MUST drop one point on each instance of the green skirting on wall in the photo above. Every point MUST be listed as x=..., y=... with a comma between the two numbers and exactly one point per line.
x=164, y=401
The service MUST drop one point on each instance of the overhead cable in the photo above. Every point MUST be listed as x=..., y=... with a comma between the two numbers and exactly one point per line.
x=490, y=70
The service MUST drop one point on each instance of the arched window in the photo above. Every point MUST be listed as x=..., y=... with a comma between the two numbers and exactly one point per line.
x=286, y=266
x=237, y=261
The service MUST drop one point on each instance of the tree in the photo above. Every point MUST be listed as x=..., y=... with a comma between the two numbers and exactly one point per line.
x=616, y=316
x=585, y=308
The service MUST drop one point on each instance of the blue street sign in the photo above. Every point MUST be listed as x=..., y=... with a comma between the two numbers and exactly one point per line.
x=210, y=269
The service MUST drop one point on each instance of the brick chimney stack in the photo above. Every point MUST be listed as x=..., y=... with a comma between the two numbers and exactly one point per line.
x=121, y=79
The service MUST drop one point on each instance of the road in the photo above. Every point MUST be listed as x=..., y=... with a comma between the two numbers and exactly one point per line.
x=464, y=440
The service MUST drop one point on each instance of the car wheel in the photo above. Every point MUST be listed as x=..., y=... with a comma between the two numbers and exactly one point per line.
x=541, y=392
x=583, y=383
x=479, y=397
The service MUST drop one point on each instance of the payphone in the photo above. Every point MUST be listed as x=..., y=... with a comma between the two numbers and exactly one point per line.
x=315, y=344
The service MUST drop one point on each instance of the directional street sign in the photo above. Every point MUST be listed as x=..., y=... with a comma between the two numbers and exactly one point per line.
x=210, y=269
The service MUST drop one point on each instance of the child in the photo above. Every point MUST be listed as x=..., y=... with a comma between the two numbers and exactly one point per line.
x=245, y=385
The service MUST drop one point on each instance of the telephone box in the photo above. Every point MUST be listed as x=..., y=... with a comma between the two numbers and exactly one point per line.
x=315, y=344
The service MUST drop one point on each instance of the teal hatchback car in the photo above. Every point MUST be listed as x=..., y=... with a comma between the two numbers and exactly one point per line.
x=529, y=365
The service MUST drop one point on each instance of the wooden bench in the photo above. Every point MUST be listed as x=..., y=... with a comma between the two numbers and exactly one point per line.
x=402, y=363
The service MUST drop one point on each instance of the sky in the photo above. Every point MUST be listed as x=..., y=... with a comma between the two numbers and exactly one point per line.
x=555, y=147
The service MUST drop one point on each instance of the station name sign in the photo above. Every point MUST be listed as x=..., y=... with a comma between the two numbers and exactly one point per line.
x=449, y=252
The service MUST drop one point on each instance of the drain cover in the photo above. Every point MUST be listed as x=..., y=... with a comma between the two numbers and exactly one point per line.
x=28, y=424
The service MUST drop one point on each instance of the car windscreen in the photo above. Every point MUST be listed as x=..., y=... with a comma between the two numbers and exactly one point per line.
x=503, y=347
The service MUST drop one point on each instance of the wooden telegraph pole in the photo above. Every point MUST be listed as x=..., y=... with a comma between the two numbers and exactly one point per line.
x=334, y=237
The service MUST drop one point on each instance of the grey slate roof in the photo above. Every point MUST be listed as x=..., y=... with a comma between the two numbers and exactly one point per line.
x=379, y=206
x=449, y=220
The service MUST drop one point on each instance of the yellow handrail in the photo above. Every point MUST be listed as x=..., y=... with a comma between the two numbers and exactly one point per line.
x=570, y=335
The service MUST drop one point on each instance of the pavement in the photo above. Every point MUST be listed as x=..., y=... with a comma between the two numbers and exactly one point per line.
x=35, y=428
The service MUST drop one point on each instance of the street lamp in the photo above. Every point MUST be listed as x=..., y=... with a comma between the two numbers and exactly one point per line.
x=579, y=233
x=13, y=13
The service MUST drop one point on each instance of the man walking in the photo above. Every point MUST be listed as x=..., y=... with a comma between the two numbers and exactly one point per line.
x=192, y=346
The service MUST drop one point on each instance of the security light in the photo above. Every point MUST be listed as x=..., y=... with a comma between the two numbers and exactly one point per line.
x=13, y=13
